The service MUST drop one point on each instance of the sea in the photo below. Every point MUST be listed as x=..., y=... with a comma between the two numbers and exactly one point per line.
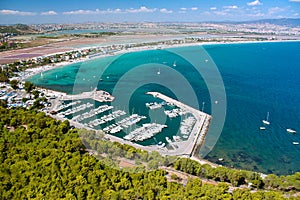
x=257, y=78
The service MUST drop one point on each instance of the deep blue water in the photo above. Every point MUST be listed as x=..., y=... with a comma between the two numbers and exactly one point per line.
x=258, y=78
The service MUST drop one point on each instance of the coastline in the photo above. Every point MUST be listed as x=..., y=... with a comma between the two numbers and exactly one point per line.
x=174, y=46
x=33, y=71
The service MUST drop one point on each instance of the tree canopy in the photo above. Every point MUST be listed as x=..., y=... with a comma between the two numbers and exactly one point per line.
x=42, y=158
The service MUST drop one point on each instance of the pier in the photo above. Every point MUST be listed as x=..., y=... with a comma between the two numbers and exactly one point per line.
x=97, y=95
x=193, y=128
x=197, y=134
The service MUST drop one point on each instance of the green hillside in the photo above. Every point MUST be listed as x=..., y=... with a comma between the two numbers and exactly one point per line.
x=42, y=158
x=19, y=29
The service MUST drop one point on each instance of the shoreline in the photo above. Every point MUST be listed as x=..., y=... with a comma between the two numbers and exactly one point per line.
x=175, y=46
x=184, y=149
x=37, y=70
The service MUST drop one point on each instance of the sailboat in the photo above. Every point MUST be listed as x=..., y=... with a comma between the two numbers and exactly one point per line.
x=266, y=121
x=174, y=64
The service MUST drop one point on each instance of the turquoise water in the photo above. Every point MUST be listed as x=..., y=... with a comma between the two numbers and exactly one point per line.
x=258, y=77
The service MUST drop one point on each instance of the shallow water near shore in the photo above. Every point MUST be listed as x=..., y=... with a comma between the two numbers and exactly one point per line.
x=258, y=78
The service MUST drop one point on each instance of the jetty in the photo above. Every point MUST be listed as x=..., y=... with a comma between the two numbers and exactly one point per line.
x=97, y=95
x=146, y=131
x=192, y=131
x=198, y=125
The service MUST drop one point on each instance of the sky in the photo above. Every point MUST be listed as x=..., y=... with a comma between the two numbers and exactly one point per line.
x=79, y=11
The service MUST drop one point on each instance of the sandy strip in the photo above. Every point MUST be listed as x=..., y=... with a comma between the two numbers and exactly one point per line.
x=37, y=70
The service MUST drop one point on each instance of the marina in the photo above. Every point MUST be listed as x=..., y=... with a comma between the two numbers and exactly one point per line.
x=64, y=106
x=145, y=132
x=187, y=125
x=97, y=95
x=76, y=109
x=106, y=118
x=243, y=98
x=174, y=112
x=92, y=113
x=129, y=121
x=154, y=105
x=197, y=133
x=193, y=126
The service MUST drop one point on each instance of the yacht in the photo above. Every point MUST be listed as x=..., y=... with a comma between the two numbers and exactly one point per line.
x=266, y=121
x=116, y=129
x=168, y=140
x=262, y=128
x=291, y=130
x=161, y=144
x=295, y=143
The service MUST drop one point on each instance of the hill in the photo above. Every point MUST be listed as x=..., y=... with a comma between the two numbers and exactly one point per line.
x=41, y=158
x=18, y=29
x=290, y=22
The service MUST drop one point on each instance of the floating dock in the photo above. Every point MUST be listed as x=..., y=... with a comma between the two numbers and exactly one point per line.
x=193, y=128
x=196, y=134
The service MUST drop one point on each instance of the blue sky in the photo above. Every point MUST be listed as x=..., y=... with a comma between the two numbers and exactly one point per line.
x=76, y=11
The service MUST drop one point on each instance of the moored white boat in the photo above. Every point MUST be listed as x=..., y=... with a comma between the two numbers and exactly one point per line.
x=295, y=143
x=291, y=130
x=168, y=140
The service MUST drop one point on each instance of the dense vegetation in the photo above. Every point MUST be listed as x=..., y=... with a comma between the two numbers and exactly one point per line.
x=42, y=158
x=239, y=177
x=17, y=29
x=112, y=153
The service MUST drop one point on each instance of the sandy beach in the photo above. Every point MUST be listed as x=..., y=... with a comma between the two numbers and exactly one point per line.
x=80, y=43
x=33, y=71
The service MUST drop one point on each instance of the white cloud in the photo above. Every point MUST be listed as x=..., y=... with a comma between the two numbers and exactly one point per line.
x=254, y=3
x=257, y=15
x=275, y=10
x=222, y=13
x=213, y=8
x=295, y=14
x=16, y=12
x=50, y=12
x=294, y=0
x=182, y=10
x=194, y=8
x=230, y=7
x=164, y=10
x=141, y=9
x=82, y=12
x=115, y=11
x=92, y=12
